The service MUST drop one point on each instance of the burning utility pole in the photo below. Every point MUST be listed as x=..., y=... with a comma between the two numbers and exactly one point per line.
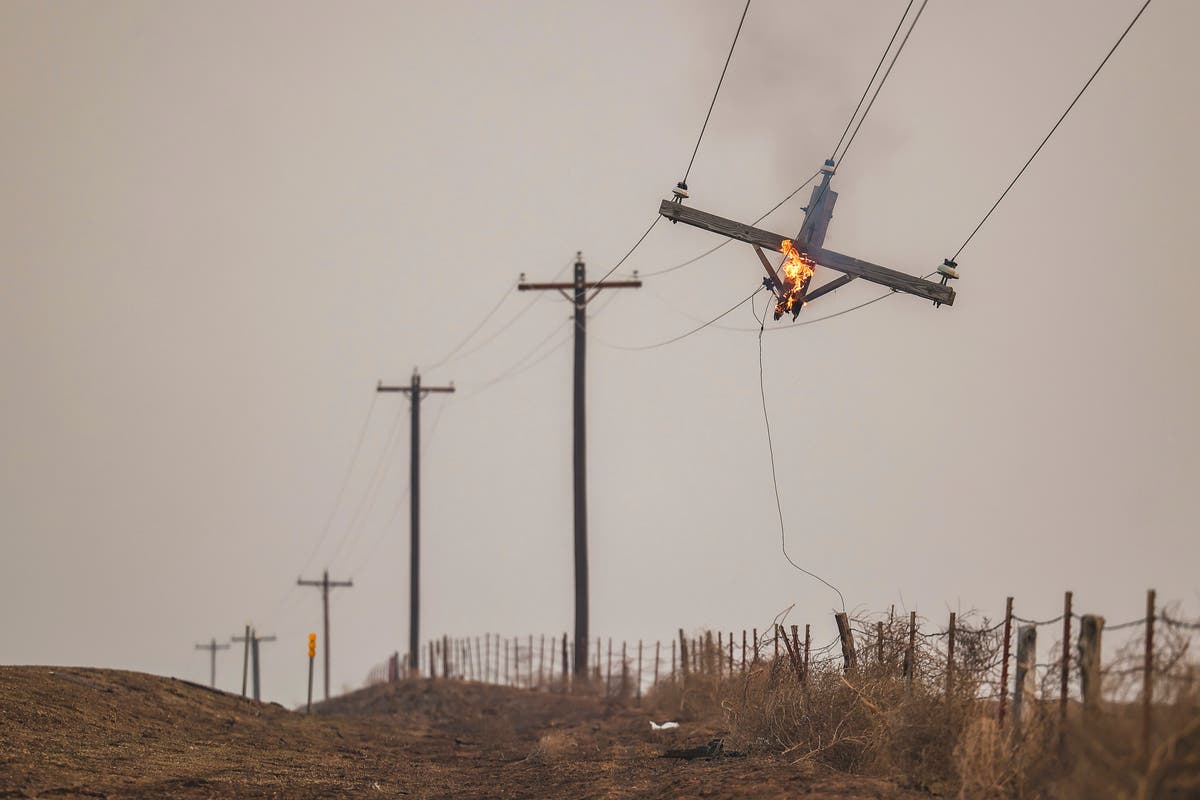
x=415, y=392
x=325, y=585
x=579, y=289
x=802, y=255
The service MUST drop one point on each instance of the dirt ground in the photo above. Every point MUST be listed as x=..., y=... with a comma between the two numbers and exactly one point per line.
x=74, y=732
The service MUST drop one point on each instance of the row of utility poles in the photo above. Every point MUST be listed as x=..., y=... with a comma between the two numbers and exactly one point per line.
x=251, y=640
x=580, y=292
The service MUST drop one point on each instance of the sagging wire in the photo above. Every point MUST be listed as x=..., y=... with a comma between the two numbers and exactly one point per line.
x=774, y=478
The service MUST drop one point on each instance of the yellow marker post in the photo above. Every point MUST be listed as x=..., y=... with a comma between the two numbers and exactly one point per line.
x=312, y=654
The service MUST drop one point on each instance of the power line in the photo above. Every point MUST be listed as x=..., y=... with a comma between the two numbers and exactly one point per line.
x=883, y=80
x=511, y=288
x=1013, y=183
x=600, y=283
x=867, y=88
x=774, y=479
x=717, y=91
x=523, y=363
x=697, y=329
x=345, y=482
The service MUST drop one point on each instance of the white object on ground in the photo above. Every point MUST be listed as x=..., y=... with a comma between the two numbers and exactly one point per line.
x=666, y=726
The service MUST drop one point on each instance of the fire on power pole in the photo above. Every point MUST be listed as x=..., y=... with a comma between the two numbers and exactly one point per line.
x=579, y=296
x=415, y=392
x=325, y=585
x=212, y=648
x=252, y=639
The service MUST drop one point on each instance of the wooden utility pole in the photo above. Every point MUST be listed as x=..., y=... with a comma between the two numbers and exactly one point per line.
x=212, y=648
x=415, y=392
x=807, y=247
x=252, y=639
x=579, y=296
x=325, y=585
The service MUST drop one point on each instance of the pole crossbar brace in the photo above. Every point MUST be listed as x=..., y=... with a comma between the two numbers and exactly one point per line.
x=850, y=266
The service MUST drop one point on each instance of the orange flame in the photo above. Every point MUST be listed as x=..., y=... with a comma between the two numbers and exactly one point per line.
x=798, y=269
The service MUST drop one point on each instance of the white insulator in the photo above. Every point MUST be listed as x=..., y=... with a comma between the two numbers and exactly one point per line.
x=680, y=193
x=949, y=272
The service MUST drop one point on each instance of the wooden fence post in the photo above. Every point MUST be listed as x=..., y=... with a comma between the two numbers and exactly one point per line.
x=608, y=670
x=1091, y=628
x=743, y=651
x=755, y=661
x=720, y=653
x=807, y=650
x=567, y=679
x=1148, y=676
x=1004, y=662
x=793, y=656
x=683, y=655
x=657, y=649
x=1066, y=660
x=950, y=656
x=849, y=657
x=624, y=669
x=639, y=674
x=910, y=654
x=879, y=636
x=1026, y=677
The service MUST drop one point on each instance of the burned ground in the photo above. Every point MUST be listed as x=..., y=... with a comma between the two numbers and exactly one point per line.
x=74, y=732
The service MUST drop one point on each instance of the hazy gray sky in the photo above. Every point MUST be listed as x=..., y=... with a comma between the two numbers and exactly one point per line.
x=222, y=223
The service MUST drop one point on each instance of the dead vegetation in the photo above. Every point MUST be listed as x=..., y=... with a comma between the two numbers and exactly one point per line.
x=940, y=732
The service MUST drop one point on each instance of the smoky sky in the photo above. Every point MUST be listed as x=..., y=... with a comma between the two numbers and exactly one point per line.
x=223, y=223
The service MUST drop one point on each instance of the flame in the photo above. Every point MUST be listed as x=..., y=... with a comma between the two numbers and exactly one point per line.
x=797, y=268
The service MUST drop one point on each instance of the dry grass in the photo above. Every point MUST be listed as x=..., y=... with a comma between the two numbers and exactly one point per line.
x=946, y=739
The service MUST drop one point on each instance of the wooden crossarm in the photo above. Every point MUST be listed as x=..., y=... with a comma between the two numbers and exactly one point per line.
x=884, y=276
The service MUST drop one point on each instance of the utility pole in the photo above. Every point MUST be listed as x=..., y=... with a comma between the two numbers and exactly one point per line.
x=212, y=647
x=325, y=584
x=579, y=297
x=415, y=392
x=252, y=639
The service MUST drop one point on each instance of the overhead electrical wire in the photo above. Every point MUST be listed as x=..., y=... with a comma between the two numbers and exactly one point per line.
x=774, y=478
x=1021, y=172
x=867, y=88
x=511, y=288
x=717, y=91
x=521, y=364
x=600, y=284
x=362, y=433
x=682, y=336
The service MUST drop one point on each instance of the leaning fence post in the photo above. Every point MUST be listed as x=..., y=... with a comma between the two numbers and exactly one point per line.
x=1026, y=677
x=807, y=650
x=1004, y=661
x=1066, y=660
x=849, y=657
x=1148, y=676
x=950, y=656
x=1091, y=627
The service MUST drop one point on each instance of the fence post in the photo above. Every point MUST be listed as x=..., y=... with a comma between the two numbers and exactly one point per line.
x=1066, y=660
x=566, y=669
x=1148, y=676
x=731, y=654
x=950, y=656
x=708, y=652
x=683, y=655
x=793, y=656
x=849, y=657
x=608, y=670
x=743, y=651
x=639, y=673
x=879, y=636
x=910, y=654
x=807, y=650
x=1091, y=627
x=1004, y=663
x=657, y=651
x=755, y=661
x=1026, y=677
x=720, y=653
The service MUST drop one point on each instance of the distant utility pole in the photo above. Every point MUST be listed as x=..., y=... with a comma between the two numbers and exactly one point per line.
x=252, y=639
x=325, y=584
x=415, y=392
x=212, y=647
x=579, y=297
